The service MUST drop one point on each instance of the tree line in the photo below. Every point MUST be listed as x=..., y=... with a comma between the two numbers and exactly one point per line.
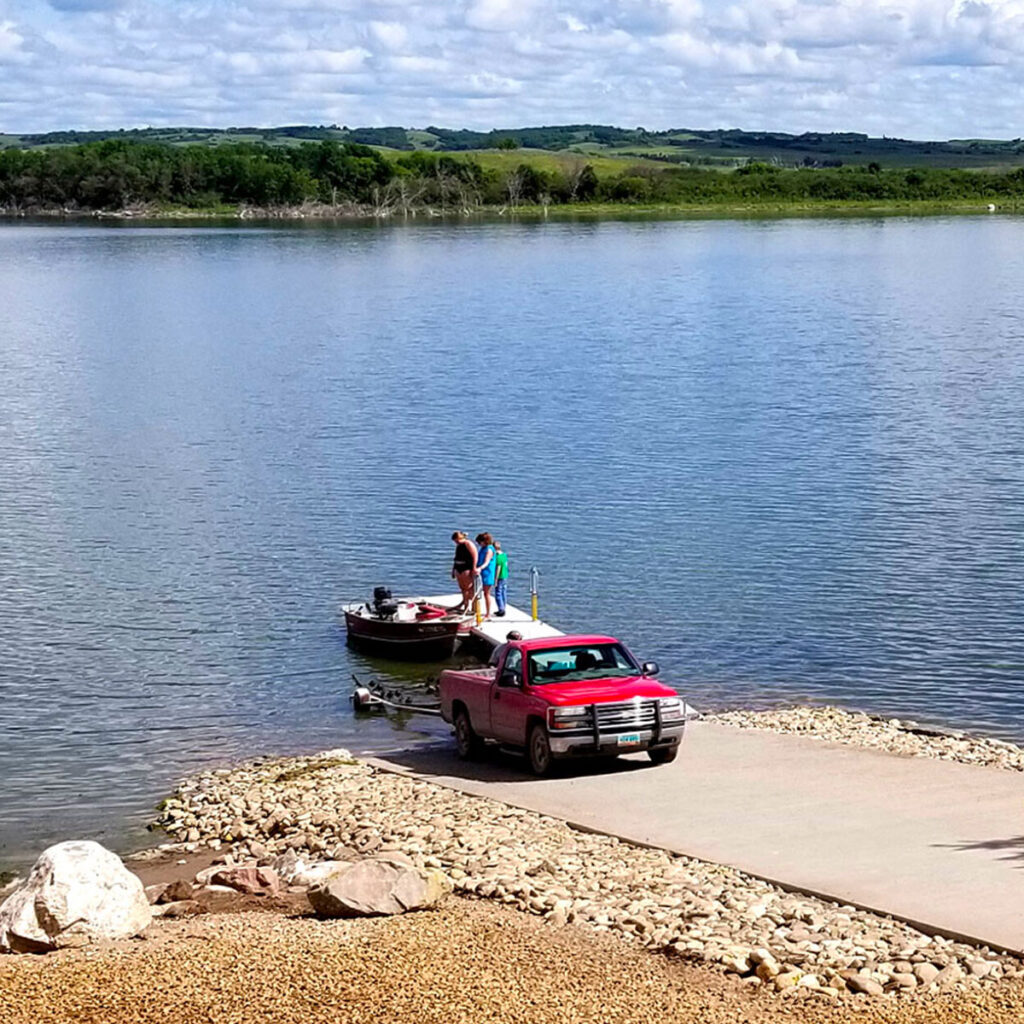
x=117, y=174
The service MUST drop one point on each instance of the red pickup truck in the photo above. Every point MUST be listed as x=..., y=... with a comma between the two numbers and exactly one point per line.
x=564, y=696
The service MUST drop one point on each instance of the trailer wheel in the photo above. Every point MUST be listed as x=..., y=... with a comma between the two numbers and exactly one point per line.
x=468, y=744
x=538, y=749
x=663, y=755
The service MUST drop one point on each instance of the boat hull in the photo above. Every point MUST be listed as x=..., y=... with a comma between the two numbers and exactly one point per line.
x=429, y=640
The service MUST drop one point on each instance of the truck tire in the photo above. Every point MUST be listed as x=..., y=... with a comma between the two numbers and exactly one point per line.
x=663, y=755
x=468, y=744
x=538, y=750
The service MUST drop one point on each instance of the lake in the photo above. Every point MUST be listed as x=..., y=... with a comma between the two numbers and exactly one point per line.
x=785, y=458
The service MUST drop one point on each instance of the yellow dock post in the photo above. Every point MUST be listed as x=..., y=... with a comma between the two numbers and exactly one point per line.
x=476, y=601
x=534, y=576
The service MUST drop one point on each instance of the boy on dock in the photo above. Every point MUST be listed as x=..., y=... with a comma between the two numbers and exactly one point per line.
x=501, y=578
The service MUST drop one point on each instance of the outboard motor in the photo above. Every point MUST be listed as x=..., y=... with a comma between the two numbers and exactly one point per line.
x=384, y=604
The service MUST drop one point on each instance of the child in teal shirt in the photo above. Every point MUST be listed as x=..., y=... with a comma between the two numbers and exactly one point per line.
x=501, y=578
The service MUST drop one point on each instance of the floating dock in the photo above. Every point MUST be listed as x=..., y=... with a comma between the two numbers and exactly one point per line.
x=493, y=631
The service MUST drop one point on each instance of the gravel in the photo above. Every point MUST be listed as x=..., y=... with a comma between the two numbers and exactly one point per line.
x=469, y=963
x=889, y=734
x=331, y=805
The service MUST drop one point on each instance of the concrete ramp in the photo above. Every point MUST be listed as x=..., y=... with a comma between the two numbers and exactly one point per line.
x=936, y=843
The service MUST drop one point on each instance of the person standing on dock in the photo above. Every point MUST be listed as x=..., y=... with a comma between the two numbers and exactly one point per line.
x=464, y=570
x=500, y=578
x=485, y=568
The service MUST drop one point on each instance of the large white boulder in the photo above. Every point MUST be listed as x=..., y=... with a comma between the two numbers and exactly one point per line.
x=76, y=892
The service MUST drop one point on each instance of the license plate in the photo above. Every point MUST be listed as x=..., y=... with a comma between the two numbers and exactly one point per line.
x=629, y=739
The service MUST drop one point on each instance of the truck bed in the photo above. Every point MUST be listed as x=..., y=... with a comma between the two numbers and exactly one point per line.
x=483, y=674
x=470, y=687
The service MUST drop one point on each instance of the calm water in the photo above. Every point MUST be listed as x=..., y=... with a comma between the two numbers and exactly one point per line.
x=784, y=458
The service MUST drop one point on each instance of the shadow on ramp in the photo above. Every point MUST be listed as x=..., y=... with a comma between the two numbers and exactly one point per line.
x=495, y=765
x=1013, y=847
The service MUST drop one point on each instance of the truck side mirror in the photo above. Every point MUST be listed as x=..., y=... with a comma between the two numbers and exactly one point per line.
x=650, y=668
x=509, y=677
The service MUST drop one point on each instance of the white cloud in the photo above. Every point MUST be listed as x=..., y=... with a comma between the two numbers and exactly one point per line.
x=10, y=40
x=420, y=66
x=683, y=12
x=500, y=15
x=390, y=34
x=922, y=68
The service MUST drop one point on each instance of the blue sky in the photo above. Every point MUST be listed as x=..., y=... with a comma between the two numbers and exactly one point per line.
x=913, y=68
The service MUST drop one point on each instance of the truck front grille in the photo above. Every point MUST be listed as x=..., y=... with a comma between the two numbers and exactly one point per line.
x=613, y=719
x=629, y=716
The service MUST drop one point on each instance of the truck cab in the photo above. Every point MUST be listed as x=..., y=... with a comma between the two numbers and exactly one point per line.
x=562, y=697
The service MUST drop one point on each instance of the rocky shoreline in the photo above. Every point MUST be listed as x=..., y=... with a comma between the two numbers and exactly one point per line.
x=892, y=735
x=285, y=826
x=331, y=806
x=156, y=212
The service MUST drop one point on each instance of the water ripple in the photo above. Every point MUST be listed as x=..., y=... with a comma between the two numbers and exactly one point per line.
x=786, y=459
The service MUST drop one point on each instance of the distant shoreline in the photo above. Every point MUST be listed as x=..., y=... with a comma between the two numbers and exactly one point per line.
x=610, y=211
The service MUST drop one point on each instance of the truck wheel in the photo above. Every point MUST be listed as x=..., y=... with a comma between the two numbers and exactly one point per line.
x=538, y=749
x=663, y=755
x=467, y=742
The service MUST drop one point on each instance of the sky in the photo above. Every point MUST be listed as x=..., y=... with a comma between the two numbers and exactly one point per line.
x=910, y=68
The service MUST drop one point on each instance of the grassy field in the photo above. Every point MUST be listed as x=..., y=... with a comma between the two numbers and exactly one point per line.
x=504, y=160
x=172, y=137
x=605, y=165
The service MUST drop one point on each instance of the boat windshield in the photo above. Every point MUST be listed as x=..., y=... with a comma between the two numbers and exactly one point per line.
x=592, y=661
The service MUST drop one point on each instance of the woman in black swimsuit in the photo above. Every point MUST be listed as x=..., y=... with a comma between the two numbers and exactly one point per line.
x=464, y=570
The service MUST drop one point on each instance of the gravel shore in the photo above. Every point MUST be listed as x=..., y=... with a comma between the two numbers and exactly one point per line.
x=333, y=805
x=729, y=947
x=469, y=962
x=892, y=735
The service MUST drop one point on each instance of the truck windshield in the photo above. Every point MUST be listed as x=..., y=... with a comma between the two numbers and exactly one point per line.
x=593, y=661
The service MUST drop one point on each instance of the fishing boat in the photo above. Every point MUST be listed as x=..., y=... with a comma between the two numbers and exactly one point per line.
x=411, y=628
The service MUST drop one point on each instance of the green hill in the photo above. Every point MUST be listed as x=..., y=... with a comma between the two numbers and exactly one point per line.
x=687, y=147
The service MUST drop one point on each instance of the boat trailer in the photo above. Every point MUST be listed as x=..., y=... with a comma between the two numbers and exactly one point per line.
x=370, y=695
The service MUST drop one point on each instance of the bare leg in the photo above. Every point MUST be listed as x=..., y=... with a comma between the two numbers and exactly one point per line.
x=466, y=585
x=488, y=600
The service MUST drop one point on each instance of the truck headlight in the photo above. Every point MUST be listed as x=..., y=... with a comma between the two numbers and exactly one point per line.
x=568, y=718
x=672, y=709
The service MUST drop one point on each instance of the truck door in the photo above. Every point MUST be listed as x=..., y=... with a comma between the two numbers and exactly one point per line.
x=508, y=702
